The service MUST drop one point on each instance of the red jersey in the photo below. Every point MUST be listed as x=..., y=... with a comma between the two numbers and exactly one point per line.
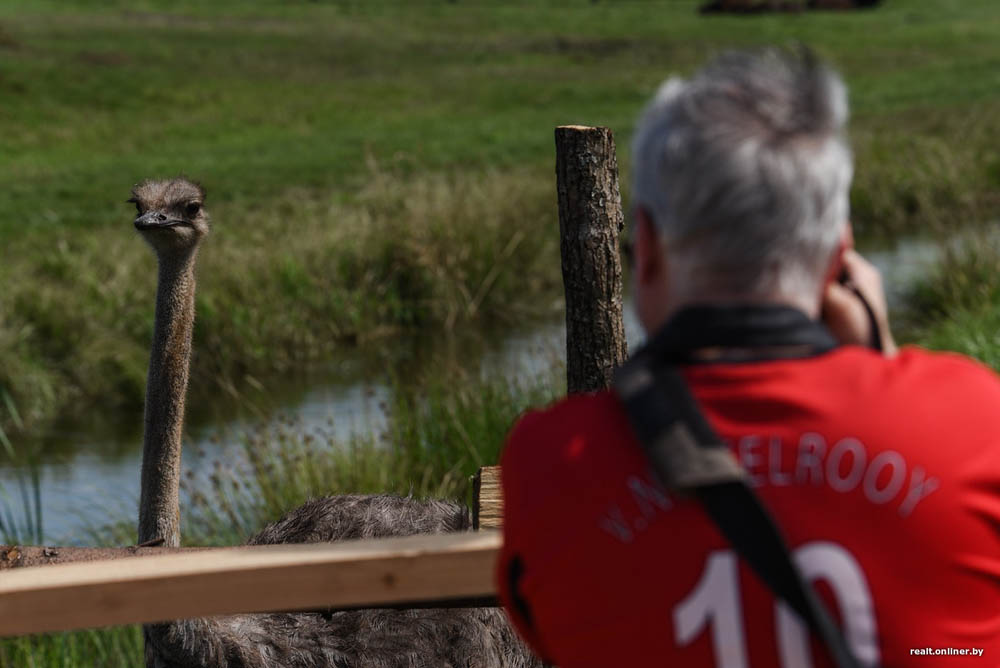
x=883, y=474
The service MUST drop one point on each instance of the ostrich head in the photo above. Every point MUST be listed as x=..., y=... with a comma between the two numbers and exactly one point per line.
x=170, y=214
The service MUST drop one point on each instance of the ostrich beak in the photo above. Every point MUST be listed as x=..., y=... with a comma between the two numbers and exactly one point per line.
x=155, y=219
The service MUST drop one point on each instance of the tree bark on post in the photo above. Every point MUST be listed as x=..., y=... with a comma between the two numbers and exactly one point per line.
x=590, y=220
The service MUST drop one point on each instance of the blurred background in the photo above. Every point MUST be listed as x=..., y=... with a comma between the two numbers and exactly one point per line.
x=381, y=295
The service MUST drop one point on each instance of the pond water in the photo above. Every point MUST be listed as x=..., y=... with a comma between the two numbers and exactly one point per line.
x=90, y=473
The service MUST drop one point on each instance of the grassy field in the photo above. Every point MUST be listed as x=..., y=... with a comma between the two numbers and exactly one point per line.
x=379, y=168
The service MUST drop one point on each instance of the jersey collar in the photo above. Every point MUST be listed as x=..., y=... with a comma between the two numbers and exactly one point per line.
x=739, y=333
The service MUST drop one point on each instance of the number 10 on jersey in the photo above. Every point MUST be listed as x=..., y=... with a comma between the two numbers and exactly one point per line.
x=715, y=602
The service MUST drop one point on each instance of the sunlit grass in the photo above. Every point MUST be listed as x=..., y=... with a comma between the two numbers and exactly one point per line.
x=957, y=307
x=439, y=432
x=280, y=109
x=279, y=288
x=20, y=508
x=105, y=648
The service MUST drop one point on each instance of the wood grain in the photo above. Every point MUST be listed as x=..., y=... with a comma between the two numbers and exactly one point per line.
x=423, y=569
x=488, y=499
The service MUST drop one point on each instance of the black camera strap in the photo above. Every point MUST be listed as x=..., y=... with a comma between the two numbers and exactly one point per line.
x=688, y=457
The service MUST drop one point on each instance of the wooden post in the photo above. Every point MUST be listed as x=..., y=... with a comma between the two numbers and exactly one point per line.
x=590, y=220
x=487, y=499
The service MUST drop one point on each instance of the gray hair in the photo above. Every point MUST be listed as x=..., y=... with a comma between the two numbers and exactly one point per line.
x=745, y=172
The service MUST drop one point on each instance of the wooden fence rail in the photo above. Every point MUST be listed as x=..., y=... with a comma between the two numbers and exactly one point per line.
x=368, y=573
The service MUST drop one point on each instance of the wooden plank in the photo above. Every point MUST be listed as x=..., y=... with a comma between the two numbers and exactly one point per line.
x=26, y=556
x=262, y=578
x=487, y=512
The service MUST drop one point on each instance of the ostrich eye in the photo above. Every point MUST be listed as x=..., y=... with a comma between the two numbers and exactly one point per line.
x=192, y=209
x=138, y=207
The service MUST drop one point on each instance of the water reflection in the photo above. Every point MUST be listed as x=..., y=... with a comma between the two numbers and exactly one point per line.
x=90, y=473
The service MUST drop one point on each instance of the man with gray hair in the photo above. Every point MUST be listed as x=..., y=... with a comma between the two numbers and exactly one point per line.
x=881, y=467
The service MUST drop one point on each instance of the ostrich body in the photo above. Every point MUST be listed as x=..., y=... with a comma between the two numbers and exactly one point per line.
x=171, y=218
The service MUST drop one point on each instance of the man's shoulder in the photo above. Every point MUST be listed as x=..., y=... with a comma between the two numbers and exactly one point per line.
x=959, y=381
x=588, y=406
x=550, y=436
x=913, y=375
x=915, y=356
x=940, y=411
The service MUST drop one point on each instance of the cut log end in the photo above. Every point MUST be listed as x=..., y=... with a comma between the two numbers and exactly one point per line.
x=487, y=512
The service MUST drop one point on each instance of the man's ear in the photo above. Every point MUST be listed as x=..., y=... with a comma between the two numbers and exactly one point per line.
x=647, y=251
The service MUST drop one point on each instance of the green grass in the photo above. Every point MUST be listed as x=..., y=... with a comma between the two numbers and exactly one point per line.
x=975, y=333
x=278, y=289
x=440, y=431
x=105, y=648
x=354, y=152
x=253, y=98
x=957, y=307
x=20, y=509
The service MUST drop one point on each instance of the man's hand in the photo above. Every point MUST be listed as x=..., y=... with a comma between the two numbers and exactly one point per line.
x=844, y=312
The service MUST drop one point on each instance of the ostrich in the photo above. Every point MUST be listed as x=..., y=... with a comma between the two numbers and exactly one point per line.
x=172, y=219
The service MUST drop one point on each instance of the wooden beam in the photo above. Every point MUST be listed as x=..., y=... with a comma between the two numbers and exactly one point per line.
x=27, y=556
x=487, y=511
x=262, y=578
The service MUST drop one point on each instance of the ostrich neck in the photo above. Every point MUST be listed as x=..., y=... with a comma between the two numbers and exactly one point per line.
x=166, y=387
